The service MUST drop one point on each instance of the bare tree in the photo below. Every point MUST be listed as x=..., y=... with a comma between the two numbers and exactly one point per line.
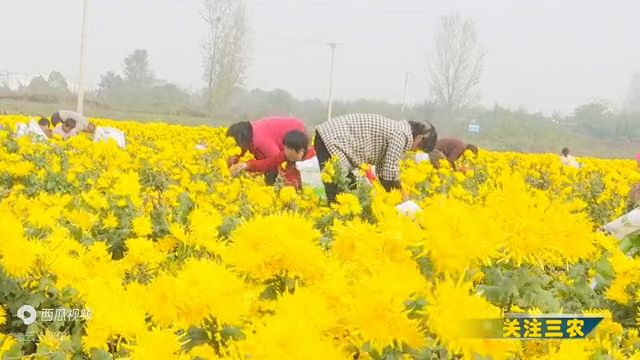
x=225, y=50
x=456, y=64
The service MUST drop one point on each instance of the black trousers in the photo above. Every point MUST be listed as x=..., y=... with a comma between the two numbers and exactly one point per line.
x=270, y=177
x=323, y=156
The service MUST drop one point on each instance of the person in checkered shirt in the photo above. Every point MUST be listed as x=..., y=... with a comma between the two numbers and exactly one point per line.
x=358, y=139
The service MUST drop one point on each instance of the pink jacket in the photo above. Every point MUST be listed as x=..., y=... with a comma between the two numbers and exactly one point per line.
x=268, y=134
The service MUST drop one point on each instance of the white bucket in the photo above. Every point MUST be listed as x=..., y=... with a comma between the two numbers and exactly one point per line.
x=310, y=175
x=420, y=157
x=625, y=225
x=408, y=208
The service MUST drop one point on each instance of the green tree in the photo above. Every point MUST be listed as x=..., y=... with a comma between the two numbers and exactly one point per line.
x=136, y=69
x=38, y=85
x=111, y=87
x=58, y=82
x=597, y=118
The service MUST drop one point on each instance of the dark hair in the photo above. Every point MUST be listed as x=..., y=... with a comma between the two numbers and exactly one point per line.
x=296, y=140
x=473, y=148
x=43, y=122
x=565, y=151
x=424, y=128
x=242, y=133
x=55, y=118
x=70, y=123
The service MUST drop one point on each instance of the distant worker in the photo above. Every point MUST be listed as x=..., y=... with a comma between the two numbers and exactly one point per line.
x=359, y=139
x=66, y=129
x=44, y=125
x=453, y=149
x=296, y=148
x=567, y=159
x=264, y=139
x=60, y=116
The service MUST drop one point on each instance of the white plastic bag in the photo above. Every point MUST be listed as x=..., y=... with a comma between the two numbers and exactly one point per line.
x=35, y=129
x=625, y=225
x=21, y=130
x=310, y=176
x=408, y=208
x=32, y=129
x=420, y=157
x=105, y=133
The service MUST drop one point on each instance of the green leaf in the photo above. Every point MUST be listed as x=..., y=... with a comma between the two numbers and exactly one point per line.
x=43, y=349
x=604, y=268
x=195, y=337
x=33, y=329
x=577, y=271
x=232, y=332
x=227, y=226
x=37, y=299
x=627, y=244
x=98, y=354
x=270, y=293
x=15, y=352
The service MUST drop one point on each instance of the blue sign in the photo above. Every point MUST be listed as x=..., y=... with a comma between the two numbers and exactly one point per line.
x=474, y=127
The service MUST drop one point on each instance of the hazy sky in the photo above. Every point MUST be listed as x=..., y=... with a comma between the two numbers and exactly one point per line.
x=543, y=55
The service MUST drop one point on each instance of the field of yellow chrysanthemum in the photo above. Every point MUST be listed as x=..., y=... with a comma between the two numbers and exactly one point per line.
x=168, y=257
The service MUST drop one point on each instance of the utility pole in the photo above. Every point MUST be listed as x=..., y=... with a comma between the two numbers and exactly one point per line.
x=214, y=45
x=333, y=51
x=83, y=43
x=404, y=93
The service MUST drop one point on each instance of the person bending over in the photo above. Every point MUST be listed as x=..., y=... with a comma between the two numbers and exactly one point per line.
x=66, y=129
x=60, y=116
x=296, y=148
x=263, y=138
x=358, y=139
x=454, y=148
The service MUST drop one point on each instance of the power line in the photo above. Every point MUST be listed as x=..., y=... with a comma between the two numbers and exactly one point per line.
x=419, y=81
x=332, y=46
x=293, y=38
x=264, y=33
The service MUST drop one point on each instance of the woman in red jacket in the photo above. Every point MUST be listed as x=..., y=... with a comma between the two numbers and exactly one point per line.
x=295, y=148
x=263, y=138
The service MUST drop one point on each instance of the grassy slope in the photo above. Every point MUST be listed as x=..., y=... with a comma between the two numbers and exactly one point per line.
x=11, y=106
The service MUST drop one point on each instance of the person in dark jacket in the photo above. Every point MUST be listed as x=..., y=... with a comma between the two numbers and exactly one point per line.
x=454, y=148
